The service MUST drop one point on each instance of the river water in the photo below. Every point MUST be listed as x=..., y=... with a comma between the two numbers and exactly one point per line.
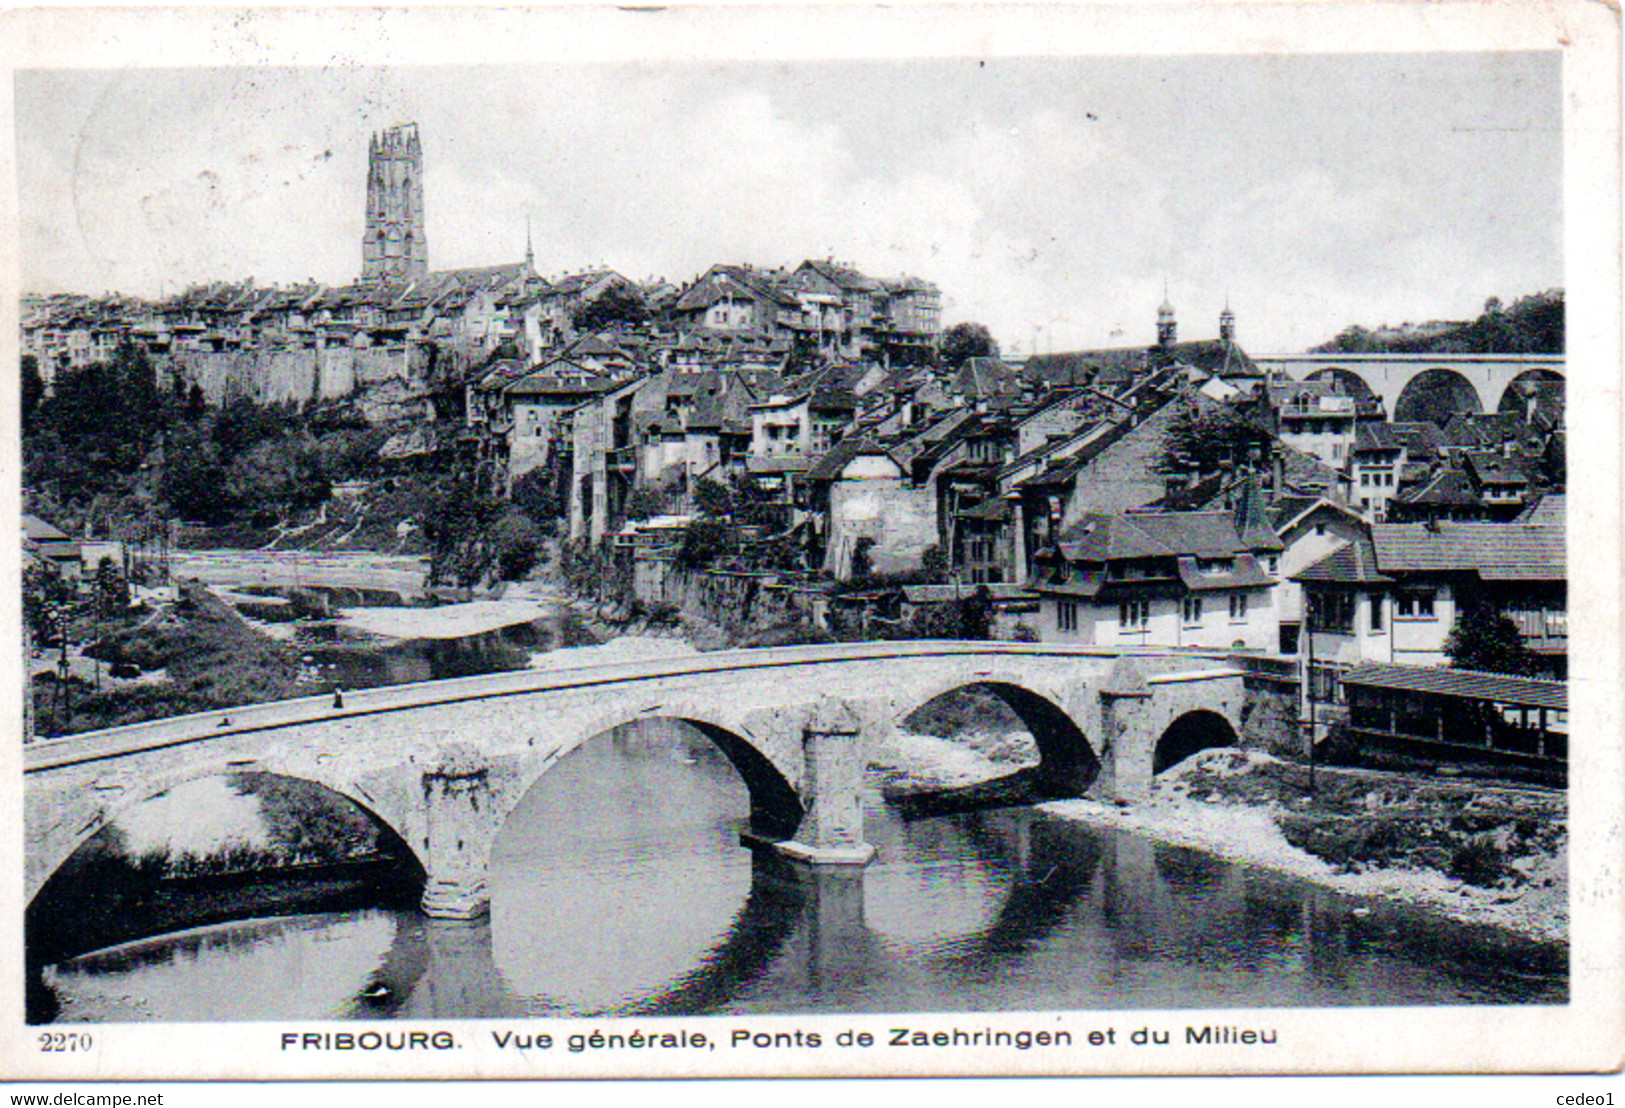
x=619, y=885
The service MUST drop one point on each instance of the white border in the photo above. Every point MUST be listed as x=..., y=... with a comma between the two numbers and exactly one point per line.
x=1587, y=1034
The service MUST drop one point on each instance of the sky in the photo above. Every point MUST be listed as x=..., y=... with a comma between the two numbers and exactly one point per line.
x=1050, y=199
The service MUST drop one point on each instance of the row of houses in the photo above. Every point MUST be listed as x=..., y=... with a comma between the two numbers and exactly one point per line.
x=1052, y=482
x=729, y=315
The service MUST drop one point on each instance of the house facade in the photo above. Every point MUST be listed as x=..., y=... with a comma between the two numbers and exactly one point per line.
x=1158, y=579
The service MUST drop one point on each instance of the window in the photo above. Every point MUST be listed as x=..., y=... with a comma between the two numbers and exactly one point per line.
x=1272, y=564
x=1190, y=611
x=1332, y=612
x=1133, y=615
x=1376, y=613
x=1414, y=605
x=1320, y=529
x=1066, y=615
x=1238, y=608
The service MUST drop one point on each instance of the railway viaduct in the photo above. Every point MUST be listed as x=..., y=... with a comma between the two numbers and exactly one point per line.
x=442, y=764
x=1391, y=376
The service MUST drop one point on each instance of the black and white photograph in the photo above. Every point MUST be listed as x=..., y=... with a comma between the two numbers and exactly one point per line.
x=793, y=561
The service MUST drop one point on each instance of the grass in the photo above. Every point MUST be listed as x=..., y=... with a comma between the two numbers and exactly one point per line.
x=213, y=659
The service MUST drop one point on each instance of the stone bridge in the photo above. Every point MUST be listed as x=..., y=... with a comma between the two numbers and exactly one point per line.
x=1390, y=376
x=442, y=764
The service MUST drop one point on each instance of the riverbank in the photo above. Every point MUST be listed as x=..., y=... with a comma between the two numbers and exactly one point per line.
x=1473, y=852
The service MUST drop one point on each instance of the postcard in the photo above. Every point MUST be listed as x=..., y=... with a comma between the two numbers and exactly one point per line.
x=733, y=541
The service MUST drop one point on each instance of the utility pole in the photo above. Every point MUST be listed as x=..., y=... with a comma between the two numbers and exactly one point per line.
x=1309, y=684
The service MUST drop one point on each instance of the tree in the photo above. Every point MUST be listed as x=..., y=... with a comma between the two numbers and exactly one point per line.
x=278, y=476
x=518, y=543
x=705, y=541
x=967, y=340
x=33, y=387
x=862, y=561
x=646, y=503
x=193, y=482
x=1200, y=440
x=934, y=565
x=618, y=305
x=458, y=525
x=712, y=498
x=1485, y=640
x=112, y=590
x=536, y=493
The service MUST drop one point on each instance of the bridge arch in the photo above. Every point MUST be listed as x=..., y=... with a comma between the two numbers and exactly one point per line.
x=1068, y=761
x=776, y=807
x=1514, y=395
x=58, y=850
x=1351, y=382
x=1434, y=395
x=1198, y=729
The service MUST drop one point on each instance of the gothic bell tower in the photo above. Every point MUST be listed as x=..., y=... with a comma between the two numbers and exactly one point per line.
x=394, y=246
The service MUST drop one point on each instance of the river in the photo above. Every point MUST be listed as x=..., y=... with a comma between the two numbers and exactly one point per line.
x=619, y=885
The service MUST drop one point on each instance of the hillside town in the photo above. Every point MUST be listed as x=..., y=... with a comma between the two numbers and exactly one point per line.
x=804, y=445
x=1003, y=552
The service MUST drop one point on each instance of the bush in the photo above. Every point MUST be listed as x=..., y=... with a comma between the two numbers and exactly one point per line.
x=647, y=503
x=518, y=543
x=1479, y=862
x=705, y=541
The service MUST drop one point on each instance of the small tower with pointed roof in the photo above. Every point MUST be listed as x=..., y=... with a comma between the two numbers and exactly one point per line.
x=1227, y=323
x=1166, y=328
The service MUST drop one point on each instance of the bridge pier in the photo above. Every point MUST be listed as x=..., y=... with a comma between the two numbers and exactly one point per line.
x=458, y=824
x=831, y=831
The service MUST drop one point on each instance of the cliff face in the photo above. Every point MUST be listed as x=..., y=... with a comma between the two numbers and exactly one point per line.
x=385, y=382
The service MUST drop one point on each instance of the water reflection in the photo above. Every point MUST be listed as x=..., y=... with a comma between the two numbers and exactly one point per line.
x=359, y=665
x=620, y=886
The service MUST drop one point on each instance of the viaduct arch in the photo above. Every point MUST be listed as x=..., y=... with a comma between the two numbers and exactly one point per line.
x=1389, y=375
x=442, y=764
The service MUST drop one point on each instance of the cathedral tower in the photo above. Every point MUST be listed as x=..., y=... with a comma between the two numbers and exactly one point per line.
x=394, y=245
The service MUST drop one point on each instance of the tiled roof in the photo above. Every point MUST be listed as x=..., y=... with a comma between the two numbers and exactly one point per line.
x=1213, y=356
x=1417, y=439
x=1496, y=551
x=1105, y=538
x=1550, y=508
x=1449, y=487
x=37, y=529
x=1353, y=563
x=1468, y=684
x=1493, y=467
x=1478, y=430
x=985, y=379
x=1245, y=573
x=1082, y=367
x=829, y=466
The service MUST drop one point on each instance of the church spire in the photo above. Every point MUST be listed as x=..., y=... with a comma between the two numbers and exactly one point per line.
x=530, y=254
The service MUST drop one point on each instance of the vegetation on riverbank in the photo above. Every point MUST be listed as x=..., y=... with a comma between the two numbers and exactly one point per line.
x=316, y=844
x=211, y=657
x=1473, y=850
